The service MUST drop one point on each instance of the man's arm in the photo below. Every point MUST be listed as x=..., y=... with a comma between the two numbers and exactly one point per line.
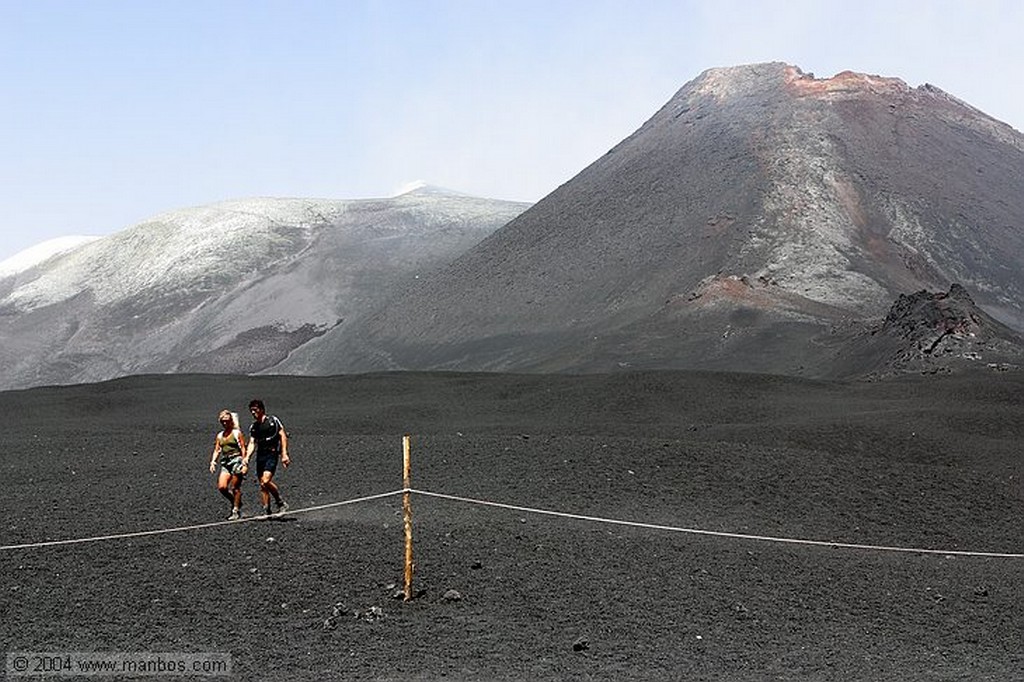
x=285, y=460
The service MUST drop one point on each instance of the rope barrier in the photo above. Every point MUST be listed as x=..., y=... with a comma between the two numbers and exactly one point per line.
x=723, y=534
x=179, y=529
x=531, y=510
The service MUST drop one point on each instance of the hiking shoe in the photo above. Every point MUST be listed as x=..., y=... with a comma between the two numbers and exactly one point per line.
x=235, y=515
x=282, y=507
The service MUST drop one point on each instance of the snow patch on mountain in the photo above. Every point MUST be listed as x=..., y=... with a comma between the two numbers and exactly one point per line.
x=228, y=287
x=192, y=247
x=34, y=255
x=207, y=247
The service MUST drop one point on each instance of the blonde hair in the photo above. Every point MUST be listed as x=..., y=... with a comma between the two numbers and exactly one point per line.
x=227, y=414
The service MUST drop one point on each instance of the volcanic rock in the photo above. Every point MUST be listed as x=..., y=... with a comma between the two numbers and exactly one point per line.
x=931, y=332
x=930, y=319
x=754, y=223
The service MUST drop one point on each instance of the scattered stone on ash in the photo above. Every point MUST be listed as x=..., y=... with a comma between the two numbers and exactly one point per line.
x=331, y=621
x=372, y=614
x=581, y=644
x=452, y=595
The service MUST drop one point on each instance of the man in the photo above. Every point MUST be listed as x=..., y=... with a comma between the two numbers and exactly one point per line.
x=268, y=438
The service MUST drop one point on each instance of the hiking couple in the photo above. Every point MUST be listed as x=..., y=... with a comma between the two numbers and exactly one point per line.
x=231, y=455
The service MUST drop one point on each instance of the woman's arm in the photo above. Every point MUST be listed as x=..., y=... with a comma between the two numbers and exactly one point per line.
x=242, y=449
x=216, y=453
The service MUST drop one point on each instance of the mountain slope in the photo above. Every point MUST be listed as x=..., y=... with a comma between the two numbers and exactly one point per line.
x=230, y=287
x=745, y=226
x=32, y=256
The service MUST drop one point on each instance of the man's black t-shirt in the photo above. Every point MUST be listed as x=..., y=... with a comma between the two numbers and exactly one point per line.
x=267, y=436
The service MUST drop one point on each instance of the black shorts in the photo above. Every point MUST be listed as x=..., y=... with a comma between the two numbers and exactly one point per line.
x=266, y=462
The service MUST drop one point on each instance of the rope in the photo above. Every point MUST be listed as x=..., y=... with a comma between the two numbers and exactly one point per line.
x=723, y=534
x=531, y=510
x=179, y=529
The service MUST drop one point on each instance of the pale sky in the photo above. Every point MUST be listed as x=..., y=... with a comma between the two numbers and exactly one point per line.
x=116, y=110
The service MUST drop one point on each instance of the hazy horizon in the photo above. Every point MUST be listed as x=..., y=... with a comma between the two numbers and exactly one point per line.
x=120, y=111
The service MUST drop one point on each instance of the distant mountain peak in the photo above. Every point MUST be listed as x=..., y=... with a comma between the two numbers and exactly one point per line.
x=732, y=83
x=420, y=187
x=729, y=80
x=847, y=83
x=753, y=220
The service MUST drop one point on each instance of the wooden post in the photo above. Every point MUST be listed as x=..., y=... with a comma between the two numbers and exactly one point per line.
x=407, y=513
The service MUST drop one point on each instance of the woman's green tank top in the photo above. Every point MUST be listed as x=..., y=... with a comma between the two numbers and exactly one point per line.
x=229, y=446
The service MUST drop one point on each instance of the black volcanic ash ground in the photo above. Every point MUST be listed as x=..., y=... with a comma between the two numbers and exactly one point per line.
x=927, y=462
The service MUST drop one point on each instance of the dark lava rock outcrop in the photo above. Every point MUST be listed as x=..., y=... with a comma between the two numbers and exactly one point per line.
x=935, y=332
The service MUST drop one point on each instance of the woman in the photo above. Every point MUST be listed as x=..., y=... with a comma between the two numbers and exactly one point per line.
x=228, y=449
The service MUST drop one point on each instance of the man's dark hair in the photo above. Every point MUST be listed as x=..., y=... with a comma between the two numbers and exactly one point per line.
x=256, y=402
